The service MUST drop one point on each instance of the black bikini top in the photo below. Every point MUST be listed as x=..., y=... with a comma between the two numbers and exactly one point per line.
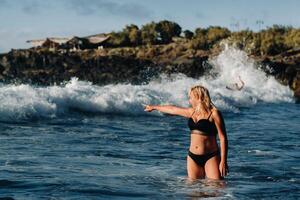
x=204, y=125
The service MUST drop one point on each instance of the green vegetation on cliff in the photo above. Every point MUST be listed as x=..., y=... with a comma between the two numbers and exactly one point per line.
x=270, y=41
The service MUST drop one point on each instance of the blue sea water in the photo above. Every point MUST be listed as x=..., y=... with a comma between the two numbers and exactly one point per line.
x=82, y=141
x=144, y=157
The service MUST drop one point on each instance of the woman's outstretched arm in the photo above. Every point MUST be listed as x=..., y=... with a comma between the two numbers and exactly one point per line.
x=220, y=124
x=170, y=109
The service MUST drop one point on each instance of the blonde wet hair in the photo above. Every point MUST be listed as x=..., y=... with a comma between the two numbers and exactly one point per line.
x=202, y=94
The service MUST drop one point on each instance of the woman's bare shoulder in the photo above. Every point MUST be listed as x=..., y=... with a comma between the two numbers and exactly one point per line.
x=216, y=113
x=190, y=110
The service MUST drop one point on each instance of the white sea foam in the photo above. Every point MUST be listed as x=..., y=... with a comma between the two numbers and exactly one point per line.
x=26, y=101
x=260, y=152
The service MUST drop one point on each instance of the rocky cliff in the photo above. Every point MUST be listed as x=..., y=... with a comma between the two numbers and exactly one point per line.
x=133, y=65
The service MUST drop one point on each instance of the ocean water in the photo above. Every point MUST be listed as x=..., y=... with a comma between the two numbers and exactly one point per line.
x=82, y=141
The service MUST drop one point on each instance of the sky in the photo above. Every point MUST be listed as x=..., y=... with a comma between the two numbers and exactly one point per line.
x=22, y=20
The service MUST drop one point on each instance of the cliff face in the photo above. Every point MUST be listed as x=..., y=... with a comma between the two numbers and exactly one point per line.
x=285, y=68
x=131, y=65
x=47, y=68
x=98, y=66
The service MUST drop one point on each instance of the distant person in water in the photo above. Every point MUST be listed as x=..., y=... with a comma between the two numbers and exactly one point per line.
x=205, y=122
x=237, y=86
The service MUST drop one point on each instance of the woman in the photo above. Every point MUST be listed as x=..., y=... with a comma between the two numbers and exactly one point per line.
x=205, y=122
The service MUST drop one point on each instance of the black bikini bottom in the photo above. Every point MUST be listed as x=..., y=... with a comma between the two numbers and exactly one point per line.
x=201, y=159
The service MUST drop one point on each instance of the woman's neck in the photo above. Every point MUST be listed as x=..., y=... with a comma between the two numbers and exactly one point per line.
x=201, y=109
